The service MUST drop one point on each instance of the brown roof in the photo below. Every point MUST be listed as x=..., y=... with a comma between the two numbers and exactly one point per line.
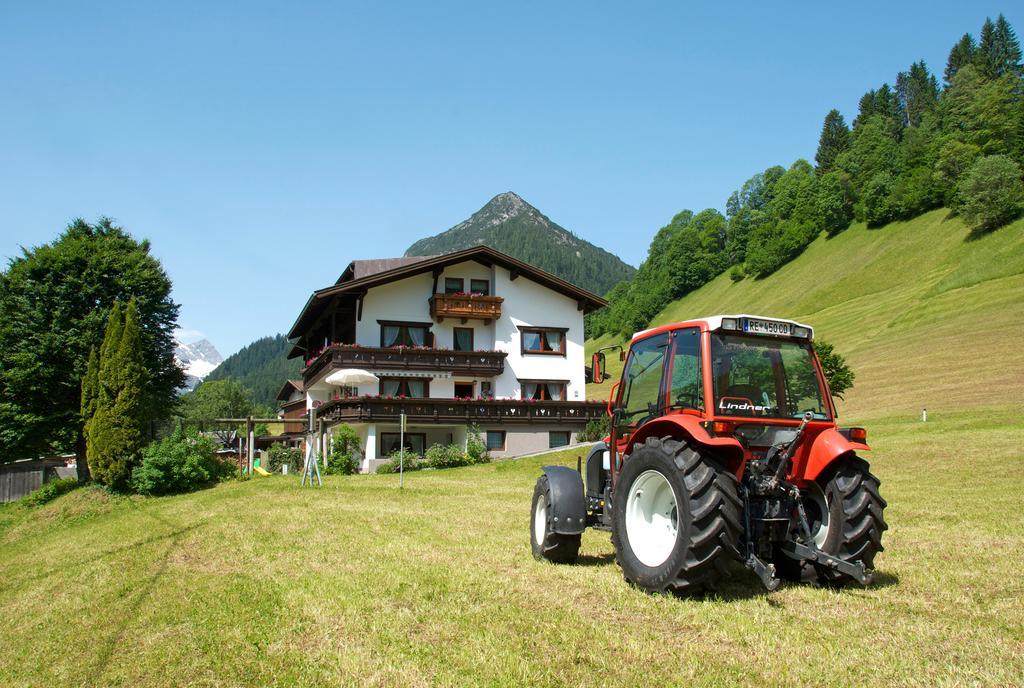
x=287, y=388
x=482, y=254
x=358, y=269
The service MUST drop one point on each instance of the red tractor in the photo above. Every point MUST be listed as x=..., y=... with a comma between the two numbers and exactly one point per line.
x=724, y=447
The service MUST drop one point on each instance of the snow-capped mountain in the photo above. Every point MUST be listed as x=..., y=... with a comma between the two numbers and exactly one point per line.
x=197, y=359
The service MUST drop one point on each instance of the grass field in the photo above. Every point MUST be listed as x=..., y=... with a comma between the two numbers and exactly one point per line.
x=358, y=583
x=267, y=583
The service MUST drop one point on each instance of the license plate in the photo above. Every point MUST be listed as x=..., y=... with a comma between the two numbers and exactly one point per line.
x=779, y=329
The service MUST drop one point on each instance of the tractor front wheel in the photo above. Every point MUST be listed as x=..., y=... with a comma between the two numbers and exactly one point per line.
x=545, y=542
x=675, y=517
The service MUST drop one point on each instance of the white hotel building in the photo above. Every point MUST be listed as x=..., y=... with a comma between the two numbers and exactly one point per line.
x=473, y=337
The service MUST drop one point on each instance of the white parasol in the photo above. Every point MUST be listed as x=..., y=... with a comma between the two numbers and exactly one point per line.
x=350, y=377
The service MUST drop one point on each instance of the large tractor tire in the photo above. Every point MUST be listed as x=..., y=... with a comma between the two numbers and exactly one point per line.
x=547, y=544
x=676, y=518
x=845, y=511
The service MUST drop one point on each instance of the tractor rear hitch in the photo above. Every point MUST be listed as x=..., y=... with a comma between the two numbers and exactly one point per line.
x=854, y=569
x=764, y=571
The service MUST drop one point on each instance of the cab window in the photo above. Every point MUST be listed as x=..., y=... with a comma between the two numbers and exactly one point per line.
x=641, y=393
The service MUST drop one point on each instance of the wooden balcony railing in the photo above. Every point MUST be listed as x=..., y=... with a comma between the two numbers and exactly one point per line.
x=465, y=307
x=490, y=411
x=479, y=363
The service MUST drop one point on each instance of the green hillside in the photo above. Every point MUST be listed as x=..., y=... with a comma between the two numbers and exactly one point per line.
x=926, y=316
x=262, y=366
x=513, y=226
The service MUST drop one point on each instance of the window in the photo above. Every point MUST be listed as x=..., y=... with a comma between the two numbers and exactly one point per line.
x=548, y=340
x=641, y=389
x=403, y=334
x=687, y=381
x=454, y=285
x=463, y=337
x=763, y=377
x=480, y=286
x=558, y=439
x=543, y=390
x=486, y=390
x=404, y=387
x=496, y=440
x=415, y=443
x=463, y=390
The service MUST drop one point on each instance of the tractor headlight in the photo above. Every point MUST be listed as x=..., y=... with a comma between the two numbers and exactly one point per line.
x=730, y=324
x=802, y=332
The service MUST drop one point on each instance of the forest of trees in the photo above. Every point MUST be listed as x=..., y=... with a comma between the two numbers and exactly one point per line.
x=913, y=147
x=261, y=367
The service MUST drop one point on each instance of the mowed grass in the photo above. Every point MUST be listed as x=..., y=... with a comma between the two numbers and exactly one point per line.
x=359, y=583
x=926, y=316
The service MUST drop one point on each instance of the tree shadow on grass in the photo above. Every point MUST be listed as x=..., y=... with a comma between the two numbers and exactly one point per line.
x=131, y=611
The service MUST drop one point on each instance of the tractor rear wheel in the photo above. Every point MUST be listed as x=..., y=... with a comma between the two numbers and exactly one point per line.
x=547, y=544
x=845, y=513
x=675, y=517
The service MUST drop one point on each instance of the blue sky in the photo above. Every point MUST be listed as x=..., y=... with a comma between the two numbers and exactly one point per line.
x=261, y=146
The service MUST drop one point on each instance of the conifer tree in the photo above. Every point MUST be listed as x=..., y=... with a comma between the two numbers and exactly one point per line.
x=985, y=56
x=834, y=139
x=1006, y=53
x=918, y=93
x=90, y=396
x=961, y=54
x=115, y=435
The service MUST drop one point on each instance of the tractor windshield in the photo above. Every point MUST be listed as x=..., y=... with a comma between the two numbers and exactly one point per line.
x=765, y=378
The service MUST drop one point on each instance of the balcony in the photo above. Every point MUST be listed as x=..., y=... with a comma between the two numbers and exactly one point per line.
x=398, y=359
x=460, y=411
x=465, y=307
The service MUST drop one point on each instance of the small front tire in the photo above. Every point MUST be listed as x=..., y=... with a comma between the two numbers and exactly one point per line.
x=545, y=543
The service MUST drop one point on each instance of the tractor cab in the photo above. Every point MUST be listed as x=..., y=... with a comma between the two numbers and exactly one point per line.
x=749, y=378
x=723, y=446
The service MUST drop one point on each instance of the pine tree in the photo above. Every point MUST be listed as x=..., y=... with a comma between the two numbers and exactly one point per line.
x=834, y=139
x=985, y=56
x=115, y=435
x=961, y=54
x=1006, y=54
x=918, y=92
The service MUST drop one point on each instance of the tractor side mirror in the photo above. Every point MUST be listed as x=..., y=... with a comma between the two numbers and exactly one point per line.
x=622, y=354
x=597, y=363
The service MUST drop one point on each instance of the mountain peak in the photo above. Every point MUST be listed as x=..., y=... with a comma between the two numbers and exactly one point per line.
x=509, y=224
x=197, y=359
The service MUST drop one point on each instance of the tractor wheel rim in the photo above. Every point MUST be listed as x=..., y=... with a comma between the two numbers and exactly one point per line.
x=540, y=519
x=816, y=505
x=652, y=518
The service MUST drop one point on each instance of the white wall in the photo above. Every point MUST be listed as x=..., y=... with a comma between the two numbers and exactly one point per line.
x=528, y=304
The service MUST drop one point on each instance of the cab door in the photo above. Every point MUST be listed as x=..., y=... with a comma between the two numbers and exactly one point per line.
x=642, y=392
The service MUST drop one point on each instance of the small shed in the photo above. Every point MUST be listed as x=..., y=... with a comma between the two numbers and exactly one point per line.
x=20, y=478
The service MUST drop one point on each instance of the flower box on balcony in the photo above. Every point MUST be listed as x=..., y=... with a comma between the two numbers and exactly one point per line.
x=465, y=307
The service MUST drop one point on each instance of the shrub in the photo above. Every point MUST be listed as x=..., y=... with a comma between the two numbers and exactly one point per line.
x=279, y=455
x=595, y=430
x=50, y=491
x=445, y=456
x=991, y=193
x=345, y=455
x=180, y=462
x=411, y=463
x=736, y=274
x=476, y=448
